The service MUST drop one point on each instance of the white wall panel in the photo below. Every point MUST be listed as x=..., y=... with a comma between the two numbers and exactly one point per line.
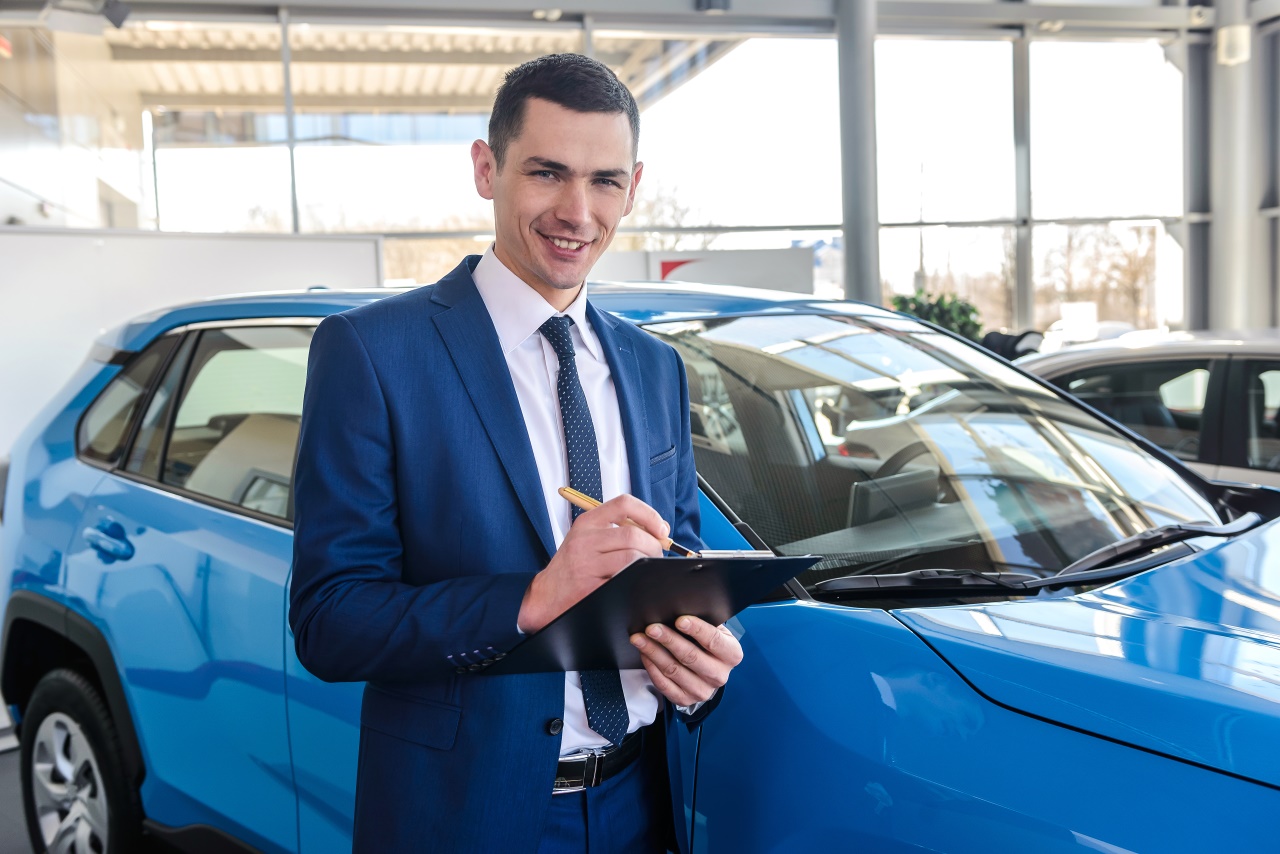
x=59, y=289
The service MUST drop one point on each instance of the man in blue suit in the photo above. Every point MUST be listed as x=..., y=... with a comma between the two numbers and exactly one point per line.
x=429, y=537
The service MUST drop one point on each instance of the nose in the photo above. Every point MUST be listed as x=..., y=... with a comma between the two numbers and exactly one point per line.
x=572, y=207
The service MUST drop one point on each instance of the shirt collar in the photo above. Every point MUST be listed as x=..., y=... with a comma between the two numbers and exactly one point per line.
x=517, y=310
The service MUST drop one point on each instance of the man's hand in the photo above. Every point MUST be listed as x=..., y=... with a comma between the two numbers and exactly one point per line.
x=690, y=665
x=598, y=546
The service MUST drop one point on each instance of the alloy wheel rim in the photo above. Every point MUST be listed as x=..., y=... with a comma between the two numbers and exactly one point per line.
x=70, y=802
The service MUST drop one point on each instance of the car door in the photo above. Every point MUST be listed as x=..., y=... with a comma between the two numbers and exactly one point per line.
x=184, y=551
x=1251, y=446
x=1172, y=402
x=324, y=734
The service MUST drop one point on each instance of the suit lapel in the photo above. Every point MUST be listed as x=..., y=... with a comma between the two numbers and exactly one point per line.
x=468, y=333
x=628, y=382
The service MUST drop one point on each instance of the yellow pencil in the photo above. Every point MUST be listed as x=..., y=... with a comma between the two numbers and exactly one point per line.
x=586, y=502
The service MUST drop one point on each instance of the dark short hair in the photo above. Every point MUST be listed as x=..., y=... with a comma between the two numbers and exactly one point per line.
x=571, y=80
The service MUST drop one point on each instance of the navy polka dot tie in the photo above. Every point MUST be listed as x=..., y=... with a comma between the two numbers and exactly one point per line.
x=601, y=689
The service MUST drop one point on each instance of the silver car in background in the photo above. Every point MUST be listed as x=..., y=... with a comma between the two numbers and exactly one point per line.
x=1209, y=398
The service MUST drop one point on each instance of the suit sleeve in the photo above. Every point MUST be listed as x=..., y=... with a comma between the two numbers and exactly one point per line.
x=353, y=617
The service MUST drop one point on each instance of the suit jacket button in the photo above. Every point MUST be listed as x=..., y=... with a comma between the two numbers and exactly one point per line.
x=474, y=667
x=554, y=726
x=459, y=670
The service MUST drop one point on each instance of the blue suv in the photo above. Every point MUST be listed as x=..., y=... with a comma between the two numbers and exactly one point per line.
x=1031, y=630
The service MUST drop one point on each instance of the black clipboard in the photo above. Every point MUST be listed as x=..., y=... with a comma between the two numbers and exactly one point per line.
x=595, y=633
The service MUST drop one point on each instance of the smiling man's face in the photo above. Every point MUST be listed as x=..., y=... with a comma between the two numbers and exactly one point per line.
x=565, y=183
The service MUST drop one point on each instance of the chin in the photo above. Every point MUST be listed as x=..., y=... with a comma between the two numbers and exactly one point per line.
x=565, y=281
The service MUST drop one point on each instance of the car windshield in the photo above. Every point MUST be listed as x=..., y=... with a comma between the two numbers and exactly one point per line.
x=877, y=442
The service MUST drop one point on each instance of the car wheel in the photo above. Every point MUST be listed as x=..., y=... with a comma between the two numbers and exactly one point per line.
x=75, y=793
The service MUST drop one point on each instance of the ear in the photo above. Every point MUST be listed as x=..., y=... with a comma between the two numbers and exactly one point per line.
x=635, y=182
x=485, y=166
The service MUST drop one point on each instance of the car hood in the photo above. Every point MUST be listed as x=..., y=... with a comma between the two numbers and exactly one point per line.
x=1183, y=659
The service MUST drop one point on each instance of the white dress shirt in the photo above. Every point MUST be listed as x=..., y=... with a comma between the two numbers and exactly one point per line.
x=517, y=311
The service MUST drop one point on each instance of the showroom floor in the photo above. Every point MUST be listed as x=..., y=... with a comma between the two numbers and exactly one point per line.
x=13, y=835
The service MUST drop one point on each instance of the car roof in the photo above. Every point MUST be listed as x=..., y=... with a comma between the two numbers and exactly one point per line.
x=1156, y=344
x=638, y=302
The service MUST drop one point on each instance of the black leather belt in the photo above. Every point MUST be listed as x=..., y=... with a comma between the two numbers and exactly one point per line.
x=584, y=770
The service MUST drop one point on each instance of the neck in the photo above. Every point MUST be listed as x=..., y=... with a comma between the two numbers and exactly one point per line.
x=558, y=298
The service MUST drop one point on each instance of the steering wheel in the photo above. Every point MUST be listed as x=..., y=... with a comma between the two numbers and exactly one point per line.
x=900, y=458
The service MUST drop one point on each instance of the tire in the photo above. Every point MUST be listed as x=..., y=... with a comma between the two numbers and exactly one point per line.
x=75, y=794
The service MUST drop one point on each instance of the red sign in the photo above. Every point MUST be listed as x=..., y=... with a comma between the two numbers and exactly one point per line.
x=6, y=49
x=669, y=267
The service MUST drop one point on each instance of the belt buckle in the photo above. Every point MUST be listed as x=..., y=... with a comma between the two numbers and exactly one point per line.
x=595, y=769
x=592, y=771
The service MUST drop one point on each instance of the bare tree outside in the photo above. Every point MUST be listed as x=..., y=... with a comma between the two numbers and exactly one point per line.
x=658, y=205
x=1113, y=267
x=990, y=290
x=426, y=260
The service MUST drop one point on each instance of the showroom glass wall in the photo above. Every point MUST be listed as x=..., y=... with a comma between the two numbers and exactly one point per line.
x=72, y=134
x=740, y=140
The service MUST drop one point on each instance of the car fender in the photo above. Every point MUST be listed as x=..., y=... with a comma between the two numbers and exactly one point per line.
x=21, y=671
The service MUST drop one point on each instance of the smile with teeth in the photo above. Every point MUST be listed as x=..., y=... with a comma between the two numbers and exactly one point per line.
x=566, y=244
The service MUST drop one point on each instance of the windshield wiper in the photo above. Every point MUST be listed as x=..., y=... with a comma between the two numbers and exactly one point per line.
x=1148, y=549
x=1154, y=538
x=927, y=582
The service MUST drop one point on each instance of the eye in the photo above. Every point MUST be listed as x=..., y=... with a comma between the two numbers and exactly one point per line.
x=543, y=173
x=609, y=182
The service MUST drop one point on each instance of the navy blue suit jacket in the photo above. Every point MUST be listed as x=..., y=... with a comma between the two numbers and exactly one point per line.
x=420, y=521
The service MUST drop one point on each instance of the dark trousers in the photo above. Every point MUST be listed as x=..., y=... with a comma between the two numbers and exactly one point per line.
x=619, y=816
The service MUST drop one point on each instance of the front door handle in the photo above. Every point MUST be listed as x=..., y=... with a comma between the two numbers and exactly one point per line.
x=108, y=539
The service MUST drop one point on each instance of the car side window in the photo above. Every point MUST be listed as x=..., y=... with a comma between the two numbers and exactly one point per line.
x=236, y=428
x=1163, y=401
x=148, y=446
x=105, y=427
x=1262, y=400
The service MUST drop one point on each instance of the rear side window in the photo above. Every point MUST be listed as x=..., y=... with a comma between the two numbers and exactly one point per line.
x=105, y=427
x=236, y=427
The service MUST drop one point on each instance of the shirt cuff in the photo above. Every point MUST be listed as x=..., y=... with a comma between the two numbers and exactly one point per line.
x=689, y=710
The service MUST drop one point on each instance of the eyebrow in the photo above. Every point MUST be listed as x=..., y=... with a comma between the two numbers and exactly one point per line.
x=557, y=166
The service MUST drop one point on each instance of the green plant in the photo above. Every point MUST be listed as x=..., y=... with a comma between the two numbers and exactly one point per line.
x=945, y=310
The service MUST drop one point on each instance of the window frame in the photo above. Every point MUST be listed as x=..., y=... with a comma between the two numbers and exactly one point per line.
x=1235, y=437
x=124, y=359
x=1212, y=420
x=182, y=333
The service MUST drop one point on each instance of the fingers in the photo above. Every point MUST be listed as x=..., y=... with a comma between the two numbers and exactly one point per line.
x=669, y=688
x=675, y=681
x=684, y=671
x=616, y=511
x=716, y=640
x=614, y=547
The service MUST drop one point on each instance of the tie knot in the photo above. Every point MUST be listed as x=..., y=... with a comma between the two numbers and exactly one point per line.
x=556, y=331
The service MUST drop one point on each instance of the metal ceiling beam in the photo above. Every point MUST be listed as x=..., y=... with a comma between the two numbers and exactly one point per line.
x=352, y=103
x=124, y=53
x=693, y=58
x=482, y=9
x=946, y=14
x=745, y=17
